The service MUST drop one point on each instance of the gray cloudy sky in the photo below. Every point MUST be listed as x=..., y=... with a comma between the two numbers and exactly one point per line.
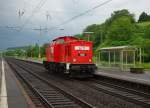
x=33, y=15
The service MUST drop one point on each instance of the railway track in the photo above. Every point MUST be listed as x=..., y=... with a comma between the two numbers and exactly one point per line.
x=129, y=94
x=35, y=99
x=50, y=95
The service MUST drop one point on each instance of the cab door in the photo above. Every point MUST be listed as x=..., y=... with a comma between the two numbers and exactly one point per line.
x=67, y=53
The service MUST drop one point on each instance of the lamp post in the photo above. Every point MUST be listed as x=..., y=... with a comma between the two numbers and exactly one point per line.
x=88, y=34
x=39, y=55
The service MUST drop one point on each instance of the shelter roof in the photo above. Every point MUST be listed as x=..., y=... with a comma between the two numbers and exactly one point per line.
x=118, y=48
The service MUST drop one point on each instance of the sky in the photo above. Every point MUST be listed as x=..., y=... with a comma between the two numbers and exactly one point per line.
x=21, y=20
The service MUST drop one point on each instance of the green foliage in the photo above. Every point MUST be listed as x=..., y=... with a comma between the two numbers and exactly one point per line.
x=144, y=17
x=98, y=35
x=33, y=51
x=43, y=49
x=15, y=52
x=120, y=29
x=120, y=26
x=80, y=36
x=146, y=46
x=117, y=30
x=143, y=24
x=10, y=53
x=147, y=33
x=30, y=51
x=36, y=50
x=121, y=13
x=137, y=41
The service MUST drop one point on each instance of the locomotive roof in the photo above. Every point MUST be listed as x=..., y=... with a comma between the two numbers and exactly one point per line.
x=66, y=37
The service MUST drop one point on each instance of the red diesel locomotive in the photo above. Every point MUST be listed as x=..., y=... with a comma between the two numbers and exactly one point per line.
x=71, y=56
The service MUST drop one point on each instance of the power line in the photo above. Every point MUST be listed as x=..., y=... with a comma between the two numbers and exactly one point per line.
x=21, y=13
x=81, y=14
x=48, y=16
x=40, y=4
x=40, y=29
x=14, y=28
x=17, y=28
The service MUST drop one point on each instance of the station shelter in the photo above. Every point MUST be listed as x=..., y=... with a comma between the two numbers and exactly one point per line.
x=118, y=56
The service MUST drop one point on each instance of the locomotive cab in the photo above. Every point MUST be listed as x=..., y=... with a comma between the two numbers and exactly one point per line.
x=81, y=53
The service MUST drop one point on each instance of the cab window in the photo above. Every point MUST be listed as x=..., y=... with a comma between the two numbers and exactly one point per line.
x=60, y=41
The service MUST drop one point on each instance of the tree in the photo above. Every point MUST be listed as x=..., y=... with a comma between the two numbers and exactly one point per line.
x=147, y=33
x=98, y=35
x=29, y=51
x=120, y=29
x=121, y=13
x=144, y=17
x=43, y=48
x=36, y=50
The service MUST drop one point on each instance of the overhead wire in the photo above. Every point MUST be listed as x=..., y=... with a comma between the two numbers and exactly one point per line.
x=38, y=7
x=42, y=2
x=81, y=14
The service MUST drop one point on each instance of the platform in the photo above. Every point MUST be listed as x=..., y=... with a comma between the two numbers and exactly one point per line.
x=143, y=78
x=11, y=93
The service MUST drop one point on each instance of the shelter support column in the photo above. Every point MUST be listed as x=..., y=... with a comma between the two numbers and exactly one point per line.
x=126, y=58
x=134, y=58
x=114, y=57
x=140, y=55
x=121, y=59
x=109, y=58
x=143, y=56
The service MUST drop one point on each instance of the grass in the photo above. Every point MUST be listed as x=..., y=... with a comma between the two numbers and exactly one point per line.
x=143, y=65
x=143, y=24
x=146, y=65
x=39, y=59
x=33, y=58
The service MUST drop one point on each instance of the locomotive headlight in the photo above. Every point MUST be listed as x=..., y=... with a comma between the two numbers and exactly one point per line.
x=74, y=60
x=90, y=60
